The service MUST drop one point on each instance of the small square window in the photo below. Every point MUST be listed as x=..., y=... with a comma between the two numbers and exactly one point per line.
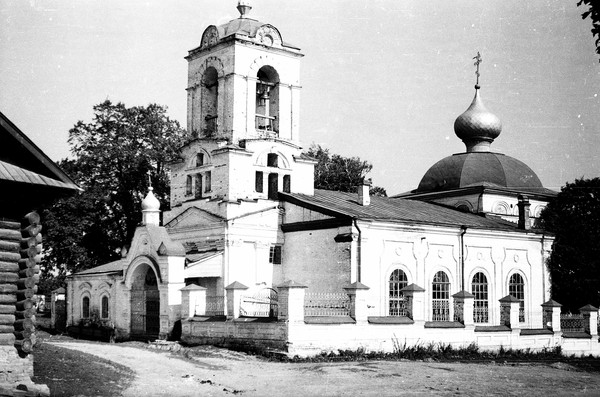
x=275, y=255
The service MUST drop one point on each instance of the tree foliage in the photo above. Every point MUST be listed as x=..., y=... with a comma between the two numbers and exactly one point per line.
x=593, y=12
x=574, y=217
x=113, y=158
x=344, y=174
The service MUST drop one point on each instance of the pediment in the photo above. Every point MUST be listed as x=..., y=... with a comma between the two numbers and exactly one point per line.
x=193, y=217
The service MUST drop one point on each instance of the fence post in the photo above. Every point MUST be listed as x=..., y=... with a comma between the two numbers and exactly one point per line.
x=193, y=301
x=416, y=302
x=464, y=300
x=234, y=295
x=590, y=319
x=291, y=302
x=357, y=292
x=509, y=311
x=551, y=317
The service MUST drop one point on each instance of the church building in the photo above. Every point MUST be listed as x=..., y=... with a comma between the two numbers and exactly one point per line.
x=250, y=253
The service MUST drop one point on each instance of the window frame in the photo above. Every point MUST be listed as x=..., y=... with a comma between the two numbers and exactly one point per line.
x=396, y=299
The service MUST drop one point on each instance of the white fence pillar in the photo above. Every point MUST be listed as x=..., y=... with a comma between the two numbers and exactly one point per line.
x=291, y=302
x=358, y=302
x=234, y=295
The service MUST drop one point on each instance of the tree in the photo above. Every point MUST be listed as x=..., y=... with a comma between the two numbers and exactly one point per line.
x=574, y=217
x=344, y=174
x=594, y=13
x=114, y=157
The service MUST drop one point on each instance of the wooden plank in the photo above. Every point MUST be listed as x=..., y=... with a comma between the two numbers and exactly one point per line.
x=10, y=246
x=8, y=289
x=7, y=339
x=10, y=235
x=9, y=256
x=7, y=308
x=8, y=298
x=6, y=224
x=7, y=319
x=9, y=267
x=8, y=278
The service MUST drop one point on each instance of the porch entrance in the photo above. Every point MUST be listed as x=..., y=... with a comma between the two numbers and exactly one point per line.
x=145, y=304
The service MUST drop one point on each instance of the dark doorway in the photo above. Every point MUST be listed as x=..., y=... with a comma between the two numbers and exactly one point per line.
x=145, y=304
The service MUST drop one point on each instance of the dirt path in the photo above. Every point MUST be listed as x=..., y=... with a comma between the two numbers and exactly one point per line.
x=220, y=372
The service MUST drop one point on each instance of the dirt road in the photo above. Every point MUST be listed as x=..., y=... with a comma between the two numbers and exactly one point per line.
x=220, y=372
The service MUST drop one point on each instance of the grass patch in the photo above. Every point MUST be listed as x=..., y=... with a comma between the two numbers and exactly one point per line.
x=72, y=373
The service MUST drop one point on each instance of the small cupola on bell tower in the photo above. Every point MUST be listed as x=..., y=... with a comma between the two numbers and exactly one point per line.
x=244, y=82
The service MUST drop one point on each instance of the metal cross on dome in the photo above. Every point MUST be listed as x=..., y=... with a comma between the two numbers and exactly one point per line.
x=478, y=60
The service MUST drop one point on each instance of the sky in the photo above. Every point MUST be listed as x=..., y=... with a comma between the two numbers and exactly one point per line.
x=383, y=80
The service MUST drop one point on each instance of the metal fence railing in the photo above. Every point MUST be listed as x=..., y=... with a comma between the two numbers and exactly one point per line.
x=572, y=323
x=326, y=304
x=215, y=306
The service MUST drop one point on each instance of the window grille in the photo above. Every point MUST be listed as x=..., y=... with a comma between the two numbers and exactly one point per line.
x=287, y=183
x=440, y=303
x=104, y=312
x=198, y=190
x=516, y=288
x=85, y=307
x=397, y=300
x=275, y=255
x=479, y=288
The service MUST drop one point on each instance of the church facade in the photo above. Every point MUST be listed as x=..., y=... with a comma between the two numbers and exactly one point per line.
x=250, y=253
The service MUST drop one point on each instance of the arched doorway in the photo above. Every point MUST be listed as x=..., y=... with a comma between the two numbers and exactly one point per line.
x=145, y=303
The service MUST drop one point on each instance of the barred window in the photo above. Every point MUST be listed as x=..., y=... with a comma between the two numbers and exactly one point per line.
x=287, y=183
x=275, y=255
x=198, y=190
x=440, y=289
x=104, y=312
x=85, y=307
x=397, y=301
x=516, y=288
x=479, y=288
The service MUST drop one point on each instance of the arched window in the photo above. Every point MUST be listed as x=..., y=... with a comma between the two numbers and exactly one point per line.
x=85, y=307
x=516, y=288
x=440, y=302
x=199, y=159
x=104, y=311
x=267, y=100
x=210, y=100
x=479, y=288
x=397, y=301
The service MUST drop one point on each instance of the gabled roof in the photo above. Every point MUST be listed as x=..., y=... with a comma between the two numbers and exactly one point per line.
x=112, y=267
x=22, y=161
x=340, y=204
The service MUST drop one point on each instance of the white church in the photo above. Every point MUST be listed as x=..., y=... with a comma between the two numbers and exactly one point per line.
x=251, y=254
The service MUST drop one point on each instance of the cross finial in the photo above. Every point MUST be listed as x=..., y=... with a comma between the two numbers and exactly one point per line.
x=478, y=60
x=149, y=181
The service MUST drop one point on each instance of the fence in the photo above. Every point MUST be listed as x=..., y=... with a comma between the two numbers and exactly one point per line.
x=215, y=306
x=572, y=323
x=326, y=304
x=264, y=303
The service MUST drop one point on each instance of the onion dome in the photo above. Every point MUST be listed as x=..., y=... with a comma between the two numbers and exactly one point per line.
x=477, y=127
x=150, y=202
x=480, y=169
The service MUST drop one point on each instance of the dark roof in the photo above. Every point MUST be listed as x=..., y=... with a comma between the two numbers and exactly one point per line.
x=23, y=161
x=480, y=169
x=391, y=209
x=112, y=267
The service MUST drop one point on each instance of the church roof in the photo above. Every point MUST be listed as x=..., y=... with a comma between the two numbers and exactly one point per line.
x=480, y=169
x=392, y=209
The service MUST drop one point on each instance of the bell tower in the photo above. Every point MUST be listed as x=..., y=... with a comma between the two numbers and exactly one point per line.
x=243, y=82
x=243, y=99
